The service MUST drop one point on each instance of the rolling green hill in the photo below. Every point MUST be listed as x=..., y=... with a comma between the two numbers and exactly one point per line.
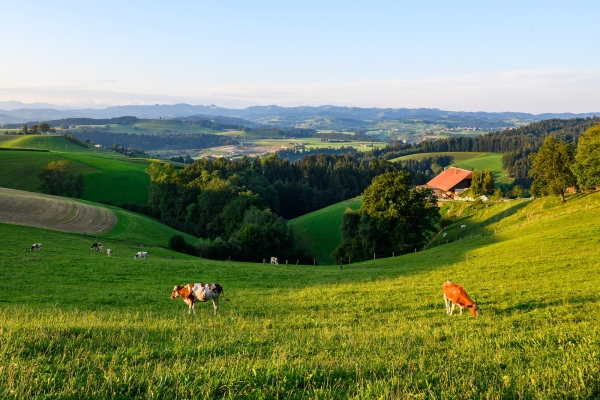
x=480, y=161
x=458, y=156
x=491, y=161
x=100, y=327
x=108, y=176
x=319, y=230
x=83, y=217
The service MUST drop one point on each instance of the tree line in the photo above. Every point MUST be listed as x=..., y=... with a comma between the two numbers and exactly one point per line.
x=516, y=144
x=148, y=142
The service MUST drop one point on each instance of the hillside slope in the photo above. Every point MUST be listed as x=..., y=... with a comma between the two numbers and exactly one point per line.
x=319, y=231
x=109, y=177
x=105, y=327
x=74, y=216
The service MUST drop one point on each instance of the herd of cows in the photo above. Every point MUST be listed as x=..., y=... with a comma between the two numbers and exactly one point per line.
x=453, y=293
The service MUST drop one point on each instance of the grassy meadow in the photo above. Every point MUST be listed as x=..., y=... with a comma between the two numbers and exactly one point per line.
x=474, y=160
x=458, y=156
x=108, y=176
x=77, y=324
x=491, y=161
x=319, y=230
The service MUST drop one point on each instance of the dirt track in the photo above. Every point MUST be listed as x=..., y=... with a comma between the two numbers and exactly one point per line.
x=52, y=212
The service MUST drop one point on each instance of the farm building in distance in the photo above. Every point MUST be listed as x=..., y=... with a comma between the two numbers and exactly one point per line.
x=451, y=182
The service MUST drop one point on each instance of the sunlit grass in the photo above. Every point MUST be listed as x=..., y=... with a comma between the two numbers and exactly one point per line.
x=76, y=324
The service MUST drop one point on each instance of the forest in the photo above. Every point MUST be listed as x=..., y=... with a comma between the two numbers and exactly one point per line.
x=157, y=141
x=242, y=205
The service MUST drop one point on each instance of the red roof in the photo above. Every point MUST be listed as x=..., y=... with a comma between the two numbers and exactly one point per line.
x=450, y=178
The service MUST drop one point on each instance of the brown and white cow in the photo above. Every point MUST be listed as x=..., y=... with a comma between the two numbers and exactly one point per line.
x=36, y=246
x=194, y=292
x=274, y=260
x=100, y=248
x=455, y=295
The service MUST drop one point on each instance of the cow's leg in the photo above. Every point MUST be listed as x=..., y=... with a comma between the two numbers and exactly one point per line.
x=446, y=302
x=461, y=310
x=215, y=305
x=452, y=309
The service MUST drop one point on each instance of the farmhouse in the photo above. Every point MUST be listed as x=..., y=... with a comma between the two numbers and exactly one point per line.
x=451, y=182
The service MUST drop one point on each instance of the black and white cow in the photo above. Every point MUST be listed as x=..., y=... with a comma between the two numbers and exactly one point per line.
x=140, y=254
x=95, y=246
x=36, y=246
x=194, y=292
x=109, y=252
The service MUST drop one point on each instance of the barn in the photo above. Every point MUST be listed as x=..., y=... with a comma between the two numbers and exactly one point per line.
x=451, y=183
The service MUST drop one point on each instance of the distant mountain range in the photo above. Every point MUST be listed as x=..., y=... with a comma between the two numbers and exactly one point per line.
x=16, y=112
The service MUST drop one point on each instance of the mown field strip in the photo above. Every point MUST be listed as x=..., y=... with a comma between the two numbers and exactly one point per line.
x=52, y=212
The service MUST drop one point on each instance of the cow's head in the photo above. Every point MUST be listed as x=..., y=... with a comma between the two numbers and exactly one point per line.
x=474, y=308
x=175, y=292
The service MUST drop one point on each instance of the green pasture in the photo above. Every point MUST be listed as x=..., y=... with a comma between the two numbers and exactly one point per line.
x=319, y=231
x=491, y=161
x=46, y=142
x=250, y=134
x=159, y=125
x=317, y=143
x=76, y=324
x=458, y=156
x=470, y=161
x=108, y=176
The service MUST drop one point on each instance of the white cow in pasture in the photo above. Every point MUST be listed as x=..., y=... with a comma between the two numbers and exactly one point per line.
x=109, y=252
x=36, y=246
x=140, y=254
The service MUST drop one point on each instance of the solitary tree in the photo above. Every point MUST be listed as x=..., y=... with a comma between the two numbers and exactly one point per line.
x=587, y=159
x=482, y=182
x=488, y=181
x=551, y=168
x=58, y=178
x=393, y=218
x=24, y=129
x=517, y=191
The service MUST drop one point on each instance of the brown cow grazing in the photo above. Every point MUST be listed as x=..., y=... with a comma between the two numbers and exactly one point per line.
x=194, y=292
x=455, y=295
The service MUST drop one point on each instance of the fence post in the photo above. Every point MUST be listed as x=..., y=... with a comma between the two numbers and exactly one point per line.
x=263, y=260
x=314, y=261
x=297, y=261
x=373, y=256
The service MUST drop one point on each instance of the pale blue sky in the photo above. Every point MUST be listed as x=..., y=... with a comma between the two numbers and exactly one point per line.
x=528, y=56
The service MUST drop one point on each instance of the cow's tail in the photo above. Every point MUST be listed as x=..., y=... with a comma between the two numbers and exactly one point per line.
x=224, y=298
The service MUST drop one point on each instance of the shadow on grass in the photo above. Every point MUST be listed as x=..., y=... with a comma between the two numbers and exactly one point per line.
x=536, y=305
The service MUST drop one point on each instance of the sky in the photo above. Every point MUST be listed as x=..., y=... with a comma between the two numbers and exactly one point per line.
x=527, y=56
